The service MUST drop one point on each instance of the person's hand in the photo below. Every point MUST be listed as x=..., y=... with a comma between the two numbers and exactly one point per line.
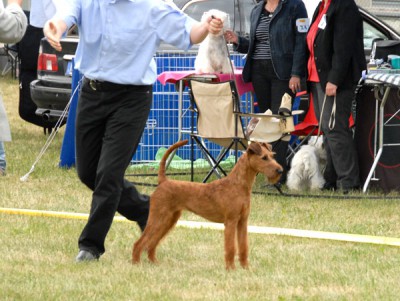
x=231, y=37
x=53, y=31
x=294, y=84
x=201, y=29
x=215, y=25
x=330, y=89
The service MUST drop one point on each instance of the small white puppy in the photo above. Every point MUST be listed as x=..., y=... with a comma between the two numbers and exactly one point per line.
x=212, y=56
x=307, y=166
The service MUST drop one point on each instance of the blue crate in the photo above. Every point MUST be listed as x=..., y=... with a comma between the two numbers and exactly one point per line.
x=162, y=126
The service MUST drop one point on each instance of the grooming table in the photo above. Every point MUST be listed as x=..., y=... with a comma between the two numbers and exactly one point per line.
x=383, y=82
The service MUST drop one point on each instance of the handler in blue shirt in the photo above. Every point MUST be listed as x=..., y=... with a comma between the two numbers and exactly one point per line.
x=118, y=39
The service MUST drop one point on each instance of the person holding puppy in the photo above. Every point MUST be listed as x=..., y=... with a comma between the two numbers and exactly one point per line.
x=276, y=56
x=335, y=65
x=118, y=40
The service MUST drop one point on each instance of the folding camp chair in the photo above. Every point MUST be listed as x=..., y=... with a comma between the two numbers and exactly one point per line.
x=220, y=120
x=217, y=106
x=11, y=52
x=306, y=128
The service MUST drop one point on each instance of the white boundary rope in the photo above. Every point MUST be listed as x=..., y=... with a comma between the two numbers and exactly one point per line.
x=357, y=238
x=50, y=139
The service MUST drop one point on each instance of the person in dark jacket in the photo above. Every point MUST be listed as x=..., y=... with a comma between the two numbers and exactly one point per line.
x=335, y=64
x=276, y=56
x=28, y=49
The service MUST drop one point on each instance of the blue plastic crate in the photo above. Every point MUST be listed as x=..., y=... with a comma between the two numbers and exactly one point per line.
x=162, y=127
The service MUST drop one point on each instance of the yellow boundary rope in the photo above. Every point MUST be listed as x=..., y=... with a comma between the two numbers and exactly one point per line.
x=380, y=240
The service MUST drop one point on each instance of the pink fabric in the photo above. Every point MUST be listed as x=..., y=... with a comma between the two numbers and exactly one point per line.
x=175, y=76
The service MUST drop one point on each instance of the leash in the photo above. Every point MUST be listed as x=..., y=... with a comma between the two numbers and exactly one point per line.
x=318, y=196
x=332, y=118
x=293, y=195
x=51, y=137
x=228, y=54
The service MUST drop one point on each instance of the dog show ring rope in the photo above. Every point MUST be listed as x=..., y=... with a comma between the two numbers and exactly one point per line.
x=348, y=237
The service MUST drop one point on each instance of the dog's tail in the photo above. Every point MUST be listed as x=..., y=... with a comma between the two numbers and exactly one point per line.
x=161, y=171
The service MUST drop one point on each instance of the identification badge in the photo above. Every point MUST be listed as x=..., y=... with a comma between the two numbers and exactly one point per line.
x=302, y=24
x=322, y=23
x=68, y=71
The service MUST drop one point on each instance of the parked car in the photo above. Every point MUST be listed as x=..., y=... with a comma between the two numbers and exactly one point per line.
x=52, y=90
x=238, y=11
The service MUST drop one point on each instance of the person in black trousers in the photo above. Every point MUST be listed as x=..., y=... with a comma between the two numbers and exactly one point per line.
x=118, y=40
x=335, y=65
x=276, y=56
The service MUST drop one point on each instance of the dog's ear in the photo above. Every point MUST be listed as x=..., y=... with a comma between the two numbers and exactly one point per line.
x=254, y=148
x=267, y=146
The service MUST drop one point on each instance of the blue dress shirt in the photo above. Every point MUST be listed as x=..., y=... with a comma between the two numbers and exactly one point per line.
x=118, y=38
x=41, y=11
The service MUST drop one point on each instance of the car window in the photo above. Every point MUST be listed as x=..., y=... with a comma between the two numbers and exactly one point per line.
x=239, y=12
x=372, y=33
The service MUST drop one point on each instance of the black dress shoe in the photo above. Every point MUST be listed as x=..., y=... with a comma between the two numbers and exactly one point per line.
x=84, y=255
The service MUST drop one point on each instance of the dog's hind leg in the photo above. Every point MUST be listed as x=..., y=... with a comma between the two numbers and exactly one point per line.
x=230, y=234
x=138, y=246
x=142, y=243
x=293, y=182
x=157, y=227
x=317, y=181
x=243, y=245
x=159, y=230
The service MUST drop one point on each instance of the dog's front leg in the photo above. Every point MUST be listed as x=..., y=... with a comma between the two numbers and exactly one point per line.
x=243, y=243
x=230, y=233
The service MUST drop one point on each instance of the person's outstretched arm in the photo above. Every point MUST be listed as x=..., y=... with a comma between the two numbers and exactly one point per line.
x=200, y=30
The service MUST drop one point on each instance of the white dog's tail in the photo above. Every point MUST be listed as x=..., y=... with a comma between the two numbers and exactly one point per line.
x=161, y=172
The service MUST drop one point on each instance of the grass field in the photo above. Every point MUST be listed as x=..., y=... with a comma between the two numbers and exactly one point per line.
x=38, y=252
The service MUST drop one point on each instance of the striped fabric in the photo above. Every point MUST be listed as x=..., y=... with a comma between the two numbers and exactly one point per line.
x=392, y=78
x=262, y=49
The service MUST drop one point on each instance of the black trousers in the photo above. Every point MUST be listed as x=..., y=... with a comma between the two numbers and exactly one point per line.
x=342, y=167
x=269, y=90
x=109, y=125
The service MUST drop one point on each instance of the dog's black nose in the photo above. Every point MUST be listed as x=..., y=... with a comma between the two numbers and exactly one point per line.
x=279, y=171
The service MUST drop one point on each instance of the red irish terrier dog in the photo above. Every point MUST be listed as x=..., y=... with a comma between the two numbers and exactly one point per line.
x=226, y=200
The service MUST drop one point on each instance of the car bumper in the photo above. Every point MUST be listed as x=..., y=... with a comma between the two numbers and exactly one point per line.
x=50, y=101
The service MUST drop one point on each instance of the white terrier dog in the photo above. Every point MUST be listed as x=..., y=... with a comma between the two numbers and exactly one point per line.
x=212, y=56
x=307, y=166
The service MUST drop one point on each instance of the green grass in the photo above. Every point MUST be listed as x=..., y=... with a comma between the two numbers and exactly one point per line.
x=38, y=252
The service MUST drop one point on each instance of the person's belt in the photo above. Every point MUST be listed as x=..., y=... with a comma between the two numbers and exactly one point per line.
x=104, y=86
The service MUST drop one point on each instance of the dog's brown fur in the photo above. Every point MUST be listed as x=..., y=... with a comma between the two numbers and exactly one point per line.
x=226, y=200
